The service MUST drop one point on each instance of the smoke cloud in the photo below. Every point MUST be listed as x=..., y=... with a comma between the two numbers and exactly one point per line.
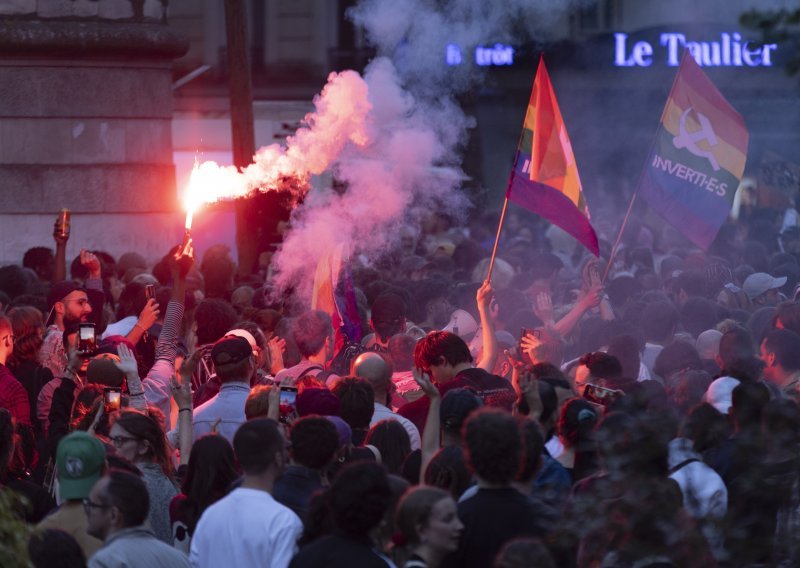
x=393, y=136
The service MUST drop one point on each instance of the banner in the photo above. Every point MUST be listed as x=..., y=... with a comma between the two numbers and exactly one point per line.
x=545, y=176
x=698, y=158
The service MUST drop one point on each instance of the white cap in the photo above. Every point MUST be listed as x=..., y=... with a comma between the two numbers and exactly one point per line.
x=720, y=393
x=246, y=334
x=464, y=324
x=761, y=282
x=707, y=343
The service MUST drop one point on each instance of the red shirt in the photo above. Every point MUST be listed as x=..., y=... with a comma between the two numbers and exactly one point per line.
x=14, y=397
x=494, y=390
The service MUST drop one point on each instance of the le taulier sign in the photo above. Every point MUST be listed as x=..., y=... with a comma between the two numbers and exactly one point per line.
x=726, y=50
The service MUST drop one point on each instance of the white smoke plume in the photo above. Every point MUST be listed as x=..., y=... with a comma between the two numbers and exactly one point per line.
x=393, y=137
x=391, y=179
x=340, y=119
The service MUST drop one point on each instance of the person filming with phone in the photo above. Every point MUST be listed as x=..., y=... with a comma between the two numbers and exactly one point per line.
x=235, y=363
x=71, y=304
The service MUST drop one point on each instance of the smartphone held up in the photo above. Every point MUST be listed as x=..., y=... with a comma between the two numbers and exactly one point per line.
x=87, y=340
x=288, y=399
x=112, y=398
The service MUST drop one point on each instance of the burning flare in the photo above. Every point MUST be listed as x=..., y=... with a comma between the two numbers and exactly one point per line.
x=340, y=118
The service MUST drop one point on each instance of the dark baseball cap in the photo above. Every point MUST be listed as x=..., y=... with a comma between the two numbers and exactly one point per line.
x=230, y=349
x=457, y=405
x=61, y=290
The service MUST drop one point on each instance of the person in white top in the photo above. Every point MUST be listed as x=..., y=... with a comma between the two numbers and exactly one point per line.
x=235, y=364
x=248, y=528
x=374, y=368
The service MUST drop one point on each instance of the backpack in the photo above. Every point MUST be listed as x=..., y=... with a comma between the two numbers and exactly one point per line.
x=340, y=365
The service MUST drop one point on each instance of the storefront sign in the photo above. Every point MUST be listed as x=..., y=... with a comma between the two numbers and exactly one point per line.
x=497, y=55
x=728, y=51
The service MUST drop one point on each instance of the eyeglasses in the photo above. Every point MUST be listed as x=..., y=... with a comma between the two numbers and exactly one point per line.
x=120, y=440
x=88, y=505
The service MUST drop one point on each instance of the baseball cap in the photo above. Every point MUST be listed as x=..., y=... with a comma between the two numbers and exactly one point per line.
x=720, y=393
x=463, y=321
x=760, y=282
x=231, y=349
x=102, y=369
x=456, y=405
x=245, y=334
x=61, y=290
x=707, y=343
x=80, y=459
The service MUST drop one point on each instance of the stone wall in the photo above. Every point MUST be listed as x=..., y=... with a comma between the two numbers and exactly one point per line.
x=85, y=123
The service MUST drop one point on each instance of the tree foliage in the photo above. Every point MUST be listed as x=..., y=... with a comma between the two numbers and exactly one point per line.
x=14, y=532
x=778, y=26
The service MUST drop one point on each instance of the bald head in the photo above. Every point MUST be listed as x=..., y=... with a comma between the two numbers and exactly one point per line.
x=375, y=369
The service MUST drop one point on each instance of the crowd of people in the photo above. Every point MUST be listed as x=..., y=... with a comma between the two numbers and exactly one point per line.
x=569, y=411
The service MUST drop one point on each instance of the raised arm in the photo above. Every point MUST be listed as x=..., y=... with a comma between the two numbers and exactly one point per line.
x=157, y=387
x=566, y=324
x=127, y=364
x=147, y=318
x=182, y=393
x=94, y=287
x=61, y=237
x=490, y=348
x=430, y=437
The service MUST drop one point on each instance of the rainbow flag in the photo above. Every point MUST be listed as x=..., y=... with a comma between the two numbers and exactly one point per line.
x=698, y=157
x=334, y=293
x=545, y=176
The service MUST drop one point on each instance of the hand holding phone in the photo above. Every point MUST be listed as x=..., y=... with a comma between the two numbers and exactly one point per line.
x=112, y=398
x=288, y=398
x=600, y=395
x=87, y=340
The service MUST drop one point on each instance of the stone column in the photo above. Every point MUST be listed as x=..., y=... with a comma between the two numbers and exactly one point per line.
x=85, y=123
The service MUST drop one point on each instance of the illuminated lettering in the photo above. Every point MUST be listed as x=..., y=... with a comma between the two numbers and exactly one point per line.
x=498, y=55
x=673, y=42
x=729, y=51
x=453, y=54
x=766, y=56
x=684, y=172
x=751, y=57
x=640, y=54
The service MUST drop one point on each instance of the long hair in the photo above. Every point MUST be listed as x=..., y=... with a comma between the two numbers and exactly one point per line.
x=27, y=325
x=146, y=427
x=414, y=510
x=392, y=440
x=211, y=472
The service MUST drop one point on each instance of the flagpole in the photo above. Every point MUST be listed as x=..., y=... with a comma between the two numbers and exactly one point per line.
x=510, y=179
x=497, y=238
x=641, y=176
x=619, y=235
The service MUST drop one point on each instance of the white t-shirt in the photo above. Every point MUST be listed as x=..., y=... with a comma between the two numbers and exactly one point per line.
x=248, y=528
x=382, y=412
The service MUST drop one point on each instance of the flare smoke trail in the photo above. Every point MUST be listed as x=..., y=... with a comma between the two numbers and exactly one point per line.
x=393, y=136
